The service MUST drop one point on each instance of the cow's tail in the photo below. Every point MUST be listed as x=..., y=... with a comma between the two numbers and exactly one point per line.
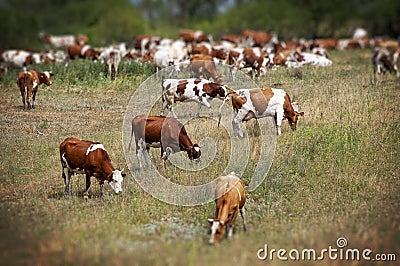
x=25, y=82
x=223, y=102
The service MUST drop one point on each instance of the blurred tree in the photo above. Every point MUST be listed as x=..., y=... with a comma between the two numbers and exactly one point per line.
x=103, y=21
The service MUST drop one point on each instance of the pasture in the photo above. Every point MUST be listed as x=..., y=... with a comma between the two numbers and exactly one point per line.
x=336, y=176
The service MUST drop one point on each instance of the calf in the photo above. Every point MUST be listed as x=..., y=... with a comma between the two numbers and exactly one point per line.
x=257, y=103
x=201, y=91
x=28, y=83
x=162, y=132
x=230, y=200
x=89, y=158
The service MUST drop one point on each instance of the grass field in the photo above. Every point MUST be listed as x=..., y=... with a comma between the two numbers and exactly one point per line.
x=336, y=176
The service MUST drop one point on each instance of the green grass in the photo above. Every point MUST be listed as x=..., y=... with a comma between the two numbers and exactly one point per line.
x=337, y=175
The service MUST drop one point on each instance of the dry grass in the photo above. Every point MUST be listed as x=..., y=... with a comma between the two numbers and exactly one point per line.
x=337, y=175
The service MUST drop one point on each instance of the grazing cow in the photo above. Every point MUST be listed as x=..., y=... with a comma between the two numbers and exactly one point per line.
x=19, y=58
x=162, y=59
x=327, y=43
x=111, y=57
x=63, y=40
x=204, y=65
x=28, y=83
x=383, y=61
x=162, y=132
x=82, y=51
x=257, y=38
x=194, y=36
x=230, y=200
x=89, y=158
x=201, y=91
x=257, y=103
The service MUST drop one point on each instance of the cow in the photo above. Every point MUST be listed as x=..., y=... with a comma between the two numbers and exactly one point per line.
x=230, y=200
x=90, y=158
x=63, y=40
x=163, y=59
x=18, y=58
x=111, y=57
x=194, y=36
x=383, y=61
x=162, y=132
x=262, y=102
x=204, y=65
x=28, y=82
x=82, y=51
x=197, y=90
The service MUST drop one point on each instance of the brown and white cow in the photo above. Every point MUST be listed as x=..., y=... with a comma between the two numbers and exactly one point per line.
x=262, y=102
x=197, y=90
x=383, y=60
x=28, y=83
x=82, y=51
x=90, y=158
x=59, y=41
x=230, y=200
x=19, y=58
x=162, y=132
x=111, y=57
x=204, y=65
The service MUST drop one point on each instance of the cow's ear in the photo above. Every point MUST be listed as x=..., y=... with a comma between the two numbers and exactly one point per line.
x=51, y=74
x=210, y=220
x=301, y=113
x=123, y=174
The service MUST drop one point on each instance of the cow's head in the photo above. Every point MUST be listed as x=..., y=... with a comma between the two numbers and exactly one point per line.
x=45, y=77
x=217, y=230
x=294, y=116
x=194, y=152
x=116, y=182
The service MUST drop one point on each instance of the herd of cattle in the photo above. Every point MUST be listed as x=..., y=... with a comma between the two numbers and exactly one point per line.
x=252, y=52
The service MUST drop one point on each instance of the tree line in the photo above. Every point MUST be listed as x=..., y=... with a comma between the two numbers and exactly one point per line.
x=111, y=21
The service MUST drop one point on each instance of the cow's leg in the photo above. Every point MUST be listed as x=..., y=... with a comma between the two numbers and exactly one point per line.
x=243, y=214
x=29, y=98
x=66, y=175
x=139, y=152
x=237, y=130
x=147, y=157
x=231, y=224
x=33, y=99
x=278, y=120
x=23, y=93
x=86, y=192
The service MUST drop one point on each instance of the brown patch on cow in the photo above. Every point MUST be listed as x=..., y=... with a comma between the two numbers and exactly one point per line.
x=197, y=81
x=212, y=89
x=180, y=89
x=260, y=98
x=196, y=91
x=238, y=101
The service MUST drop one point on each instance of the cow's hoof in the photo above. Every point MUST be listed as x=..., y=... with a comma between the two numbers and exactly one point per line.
x=86, y=197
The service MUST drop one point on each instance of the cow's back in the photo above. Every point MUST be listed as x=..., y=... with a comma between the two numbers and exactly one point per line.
x=74, y=151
